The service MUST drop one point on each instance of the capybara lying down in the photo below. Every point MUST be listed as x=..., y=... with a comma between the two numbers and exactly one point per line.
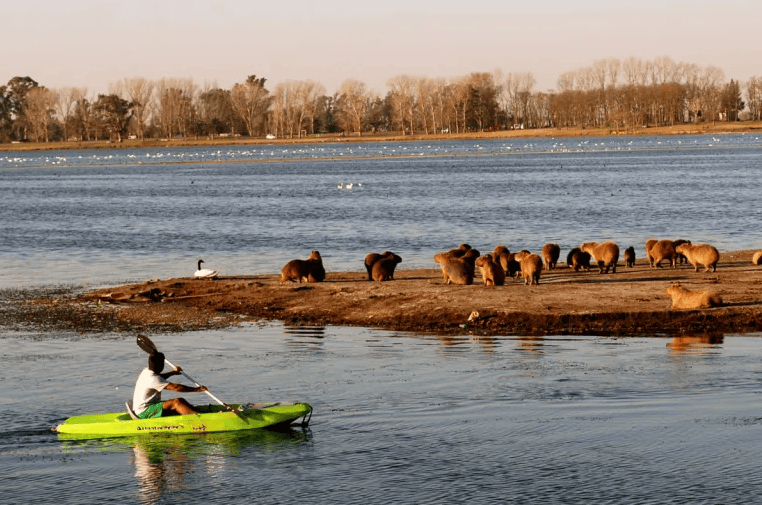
x=605, y=255
x=383, y=269
x=531, y=266
x=629, y=257
x=458, y=270
x=684, y=299
x=372, y=258
x=550, y=254
x=577, y=258
x=703, y=254
x=492, y=273
x=663, y=250
x=757, y=258
x=311, y=270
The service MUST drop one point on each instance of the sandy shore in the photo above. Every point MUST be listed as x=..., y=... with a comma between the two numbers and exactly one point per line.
x=631, y=302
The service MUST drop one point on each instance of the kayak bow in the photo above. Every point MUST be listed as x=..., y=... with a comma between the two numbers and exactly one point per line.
x=214, y=418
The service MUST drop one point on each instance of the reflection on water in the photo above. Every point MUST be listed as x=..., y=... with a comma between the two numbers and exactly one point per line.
x=305, y=330
x=701, y=343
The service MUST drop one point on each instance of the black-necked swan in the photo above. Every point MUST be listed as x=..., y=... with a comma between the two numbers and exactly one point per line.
x=206, y=273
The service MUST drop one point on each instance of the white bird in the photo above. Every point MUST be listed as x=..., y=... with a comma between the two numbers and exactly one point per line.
x=350, y=185
x=341, y=186
x=205, y=273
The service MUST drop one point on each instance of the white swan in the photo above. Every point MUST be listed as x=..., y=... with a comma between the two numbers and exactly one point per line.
x=341, y=186
x=350, y=185
x=205, y=273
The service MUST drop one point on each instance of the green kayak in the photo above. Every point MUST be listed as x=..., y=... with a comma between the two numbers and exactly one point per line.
x=213, y=418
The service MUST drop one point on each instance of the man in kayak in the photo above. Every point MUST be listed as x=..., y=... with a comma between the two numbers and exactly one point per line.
x=146, y=400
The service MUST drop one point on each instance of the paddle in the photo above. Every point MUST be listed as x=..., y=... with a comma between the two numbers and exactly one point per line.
x=148, y=346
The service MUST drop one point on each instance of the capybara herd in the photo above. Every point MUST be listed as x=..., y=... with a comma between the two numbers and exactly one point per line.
x=459, y=265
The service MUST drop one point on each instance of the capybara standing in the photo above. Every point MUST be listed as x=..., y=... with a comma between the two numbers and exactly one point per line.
x=605, y=255
x=629, y=257
x=663, y=250
x=503, y=257
x=383, y=269
x=649, y=244
x=372, y=258
x=703, y=254
x=459, y=270
x=577, y=258
x=550, y=254
x=531, y=266
x=492, y=273
x=310, y=271
x=684, y=299
x=680, y=257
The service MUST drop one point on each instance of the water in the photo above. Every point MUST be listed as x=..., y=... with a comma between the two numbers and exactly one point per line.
x=398, y=418
x=107, y=217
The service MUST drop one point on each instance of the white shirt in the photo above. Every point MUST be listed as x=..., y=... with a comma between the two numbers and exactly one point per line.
x=147, y=390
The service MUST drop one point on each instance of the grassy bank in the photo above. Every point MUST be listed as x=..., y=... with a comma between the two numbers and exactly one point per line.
x=684, y=129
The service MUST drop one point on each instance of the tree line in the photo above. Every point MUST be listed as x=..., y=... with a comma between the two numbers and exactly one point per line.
x=620, y=95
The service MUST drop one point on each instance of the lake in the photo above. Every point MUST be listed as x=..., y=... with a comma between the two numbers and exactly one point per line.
x=398, y=418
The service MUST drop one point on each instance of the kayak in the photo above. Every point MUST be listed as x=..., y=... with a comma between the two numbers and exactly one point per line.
x=213, y=418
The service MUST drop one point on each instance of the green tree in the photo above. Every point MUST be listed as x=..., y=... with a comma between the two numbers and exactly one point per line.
x=731, y=101
x=115, y=113
x=18, y=90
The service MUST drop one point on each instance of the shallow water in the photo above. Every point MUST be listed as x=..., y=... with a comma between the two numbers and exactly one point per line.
x=398, y=419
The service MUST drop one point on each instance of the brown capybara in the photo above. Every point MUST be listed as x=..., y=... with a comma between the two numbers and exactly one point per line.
x=503, y=257
x=492, y=273
x=663, y=250
x=459, y=270
x=550, y=254
x=605, y=255
x=577, y=258
x=757, y=258
x=531, y=266
x=684, y=299
x=649, y=244
x=681, y=259
x=629, y=257
x=460, y=251
x=372, y=258
x=383, y=269
x=311, y=270
x=703, y=254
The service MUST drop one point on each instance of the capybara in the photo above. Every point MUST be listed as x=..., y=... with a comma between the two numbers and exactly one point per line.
x=311, y=270
x=629, y=257
x=663, y=250
x=531, y=266
x=459, y=270
x=577, y=258
x=703, y=254
x=757, y=258
x=460, y=251
x=605, y=255
x=550, y=254
x=371, y=258
x=680, y=257
x=649, y=244
x=684, y=299
x=492, y=273
x=383, y=269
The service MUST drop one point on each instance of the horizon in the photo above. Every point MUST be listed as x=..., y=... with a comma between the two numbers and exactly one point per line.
x=79, y=44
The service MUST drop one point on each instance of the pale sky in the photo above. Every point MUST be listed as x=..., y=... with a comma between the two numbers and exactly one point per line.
x=93, y=43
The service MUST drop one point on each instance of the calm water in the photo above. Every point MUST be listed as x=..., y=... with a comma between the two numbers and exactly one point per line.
x=107, y=217
x=398, y=418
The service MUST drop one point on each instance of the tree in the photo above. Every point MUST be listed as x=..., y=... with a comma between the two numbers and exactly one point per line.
x=216, y=111
x=17, y=89
x=401, y=98
x=115, y=113
x=66, y=102
x=251, y=101
x=139, y=90
x=84, y=119
x=731, y=102
x=754, y=94
x=353, y=105
x=38, y=111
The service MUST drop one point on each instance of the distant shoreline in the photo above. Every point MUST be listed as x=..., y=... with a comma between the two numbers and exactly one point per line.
x=683, y=129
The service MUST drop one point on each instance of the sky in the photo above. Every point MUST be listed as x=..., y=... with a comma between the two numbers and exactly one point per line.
x=93, y=43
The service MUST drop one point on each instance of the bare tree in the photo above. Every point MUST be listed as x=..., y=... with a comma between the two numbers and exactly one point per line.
x=40, y=107
x=402, y=101
x=251, y=101
x=354, y=104
x=139, y=91
x=754, y=97
x=65, y=106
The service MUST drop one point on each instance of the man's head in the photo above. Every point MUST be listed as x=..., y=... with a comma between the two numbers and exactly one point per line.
x=156, y=362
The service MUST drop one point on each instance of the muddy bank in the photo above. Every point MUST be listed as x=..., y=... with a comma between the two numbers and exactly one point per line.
x=631, y=302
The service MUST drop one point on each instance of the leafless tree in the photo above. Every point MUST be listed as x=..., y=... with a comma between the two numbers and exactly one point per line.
x=354, y=104
x=251, y=101
x=754, y=97
x=40, y=107
x=402, y=98
x=65, y=107
x=139, y=91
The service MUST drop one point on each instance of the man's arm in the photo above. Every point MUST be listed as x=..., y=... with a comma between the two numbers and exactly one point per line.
x=184, y=389
x=167, y=375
